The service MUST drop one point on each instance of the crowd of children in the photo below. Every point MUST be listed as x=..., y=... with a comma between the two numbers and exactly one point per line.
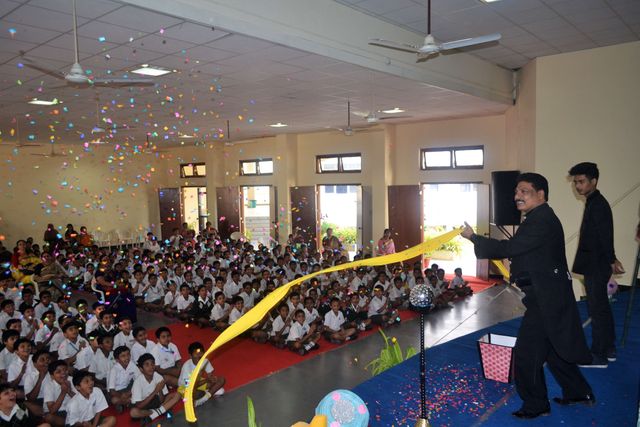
x=63, y=365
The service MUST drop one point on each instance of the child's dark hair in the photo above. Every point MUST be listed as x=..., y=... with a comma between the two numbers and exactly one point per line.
x=8, y=333
x=22, y=341
x=137, y=330
x=118, y=351
x=201, y=287
x=334, y=299
x=282, y=305
x=6, y=386
x=184, y=286
x=101, y=338
x=45, y=294
x=12, y=322
x=55, y=365
x=123, y=318
x=39, y=353
x=104, y=313
x=6, y=302
x=236, y=299
x=298, y=311
x=194, y=346
x=162, y=329
x=218, y=294
x=68, y=325
x=79, y=375
x=144, y=358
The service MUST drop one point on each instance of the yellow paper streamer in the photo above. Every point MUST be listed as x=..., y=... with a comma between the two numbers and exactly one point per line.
x=257, y=313
x=502, y=268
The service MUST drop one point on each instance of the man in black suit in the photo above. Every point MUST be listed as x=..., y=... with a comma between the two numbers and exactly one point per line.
x=596, y=260
x=550, y=331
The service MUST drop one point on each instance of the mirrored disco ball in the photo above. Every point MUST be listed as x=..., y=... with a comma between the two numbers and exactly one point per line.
x=421, y=297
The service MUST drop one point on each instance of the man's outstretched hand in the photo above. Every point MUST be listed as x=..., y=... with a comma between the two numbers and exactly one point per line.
x=467, y=231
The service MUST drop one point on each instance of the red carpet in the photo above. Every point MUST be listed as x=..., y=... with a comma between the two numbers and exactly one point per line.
x=475, y=283
x=242, y=360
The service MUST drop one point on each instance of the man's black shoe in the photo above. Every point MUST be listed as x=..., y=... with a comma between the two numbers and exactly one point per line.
x=596, y=362
x=588, y=400
x=611, y=355
x=527, y=415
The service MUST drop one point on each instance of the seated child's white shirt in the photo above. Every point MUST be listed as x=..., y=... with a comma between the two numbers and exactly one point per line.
x=292, y=308
x=101, y=364
x=277, y=325
x=297, y=331
x=138, y=350
x=16, y=367
x=51, y=392
x=182, y=303
x=395, y=293
x=91, y=325
x=6, y=357
x=218, y=312
x=188, y=368
x=142, y=388
x=385, y=285
x=120, y=378
x=68, y=349
x=170, y=299
x=42, y=334
x=30, y=381
x=376, y=304
x=84, y=358
x=334, y=321
x=457, y=282
x=234, y=315
x=154, y=293
x=121, y=339
x=166, y=357
x=81, y=409
x=310, y=316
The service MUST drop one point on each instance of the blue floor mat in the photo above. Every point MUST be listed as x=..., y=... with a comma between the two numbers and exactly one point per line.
x=458, y=394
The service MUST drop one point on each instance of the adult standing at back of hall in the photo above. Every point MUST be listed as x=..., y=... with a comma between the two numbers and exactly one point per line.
x=550, y=331
x=596, y=261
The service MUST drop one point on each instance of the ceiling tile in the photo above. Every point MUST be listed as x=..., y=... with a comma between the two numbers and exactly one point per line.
x=85, y=9
x=111, y=33
x=408, y=14
x=43, y=18
x=381, y=7
x=239, y=44
x=194, y=33
x=161, y=44
x=26, y=33
x=147, y=22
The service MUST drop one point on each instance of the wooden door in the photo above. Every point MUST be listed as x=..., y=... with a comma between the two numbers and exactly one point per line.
x=228, y=203
x=304, y=213
x=405, y=216
x=170, y=211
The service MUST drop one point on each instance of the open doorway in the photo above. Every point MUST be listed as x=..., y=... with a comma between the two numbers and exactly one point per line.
x=194, y=207
x=338, y=208
x=256, y=214
x=448, y=206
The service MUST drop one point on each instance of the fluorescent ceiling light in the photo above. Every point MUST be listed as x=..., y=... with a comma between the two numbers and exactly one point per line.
x=489, y=1
x=36, y=101
x=396, y=110
x=279, y=125
x=184, y=136
x=151, y=70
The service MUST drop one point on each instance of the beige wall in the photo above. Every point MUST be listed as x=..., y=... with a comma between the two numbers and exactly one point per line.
x=90, y=196
x=588, y=109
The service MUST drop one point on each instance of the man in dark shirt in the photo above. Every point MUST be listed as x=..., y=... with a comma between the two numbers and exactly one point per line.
x=550, y=332
x=596, y=260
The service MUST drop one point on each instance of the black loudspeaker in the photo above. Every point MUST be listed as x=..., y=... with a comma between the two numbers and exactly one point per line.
x=503, y=184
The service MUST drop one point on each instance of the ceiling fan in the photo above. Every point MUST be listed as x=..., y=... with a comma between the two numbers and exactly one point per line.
x=52, y=153
x=430, y=47
x=348, y=130
x=76, y=76
x=372, y=118
x=20, y=144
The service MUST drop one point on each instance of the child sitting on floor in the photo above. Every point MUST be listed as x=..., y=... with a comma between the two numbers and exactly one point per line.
x=219, y=318
x=167, y=356
x=334, y=321
x=208, y=385
x=459, y=285
x=142, y=344
x=280, y=326
x=149, y=394
x=302, y=338
x=121, y=377
x=58, y=392
x=125, y=336
x=85, y=408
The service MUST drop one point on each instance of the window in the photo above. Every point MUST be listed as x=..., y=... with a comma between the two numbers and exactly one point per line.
x=193, y=170
x=337, y=163
x=452, y=158
x=256, y=167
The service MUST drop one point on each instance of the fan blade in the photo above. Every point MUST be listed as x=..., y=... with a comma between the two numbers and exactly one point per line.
x=120, y=82
x=53, y=73
x=471, y=41
x=27, y=145
x=394, y=45
x=361, y=113
x=394, y=117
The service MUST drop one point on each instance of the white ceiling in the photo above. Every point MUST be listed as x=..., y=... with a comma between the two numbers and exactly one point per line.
x=251, y=82
x=529, y=28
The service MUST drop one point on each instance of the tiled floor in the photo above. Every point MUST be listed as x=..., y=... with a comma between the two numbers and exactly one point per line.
x=292, y=394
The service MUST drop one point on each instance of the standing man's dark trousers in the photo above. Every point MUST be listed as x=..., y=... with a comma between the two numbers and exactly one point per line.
x=602, y=327
x=532, y=350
